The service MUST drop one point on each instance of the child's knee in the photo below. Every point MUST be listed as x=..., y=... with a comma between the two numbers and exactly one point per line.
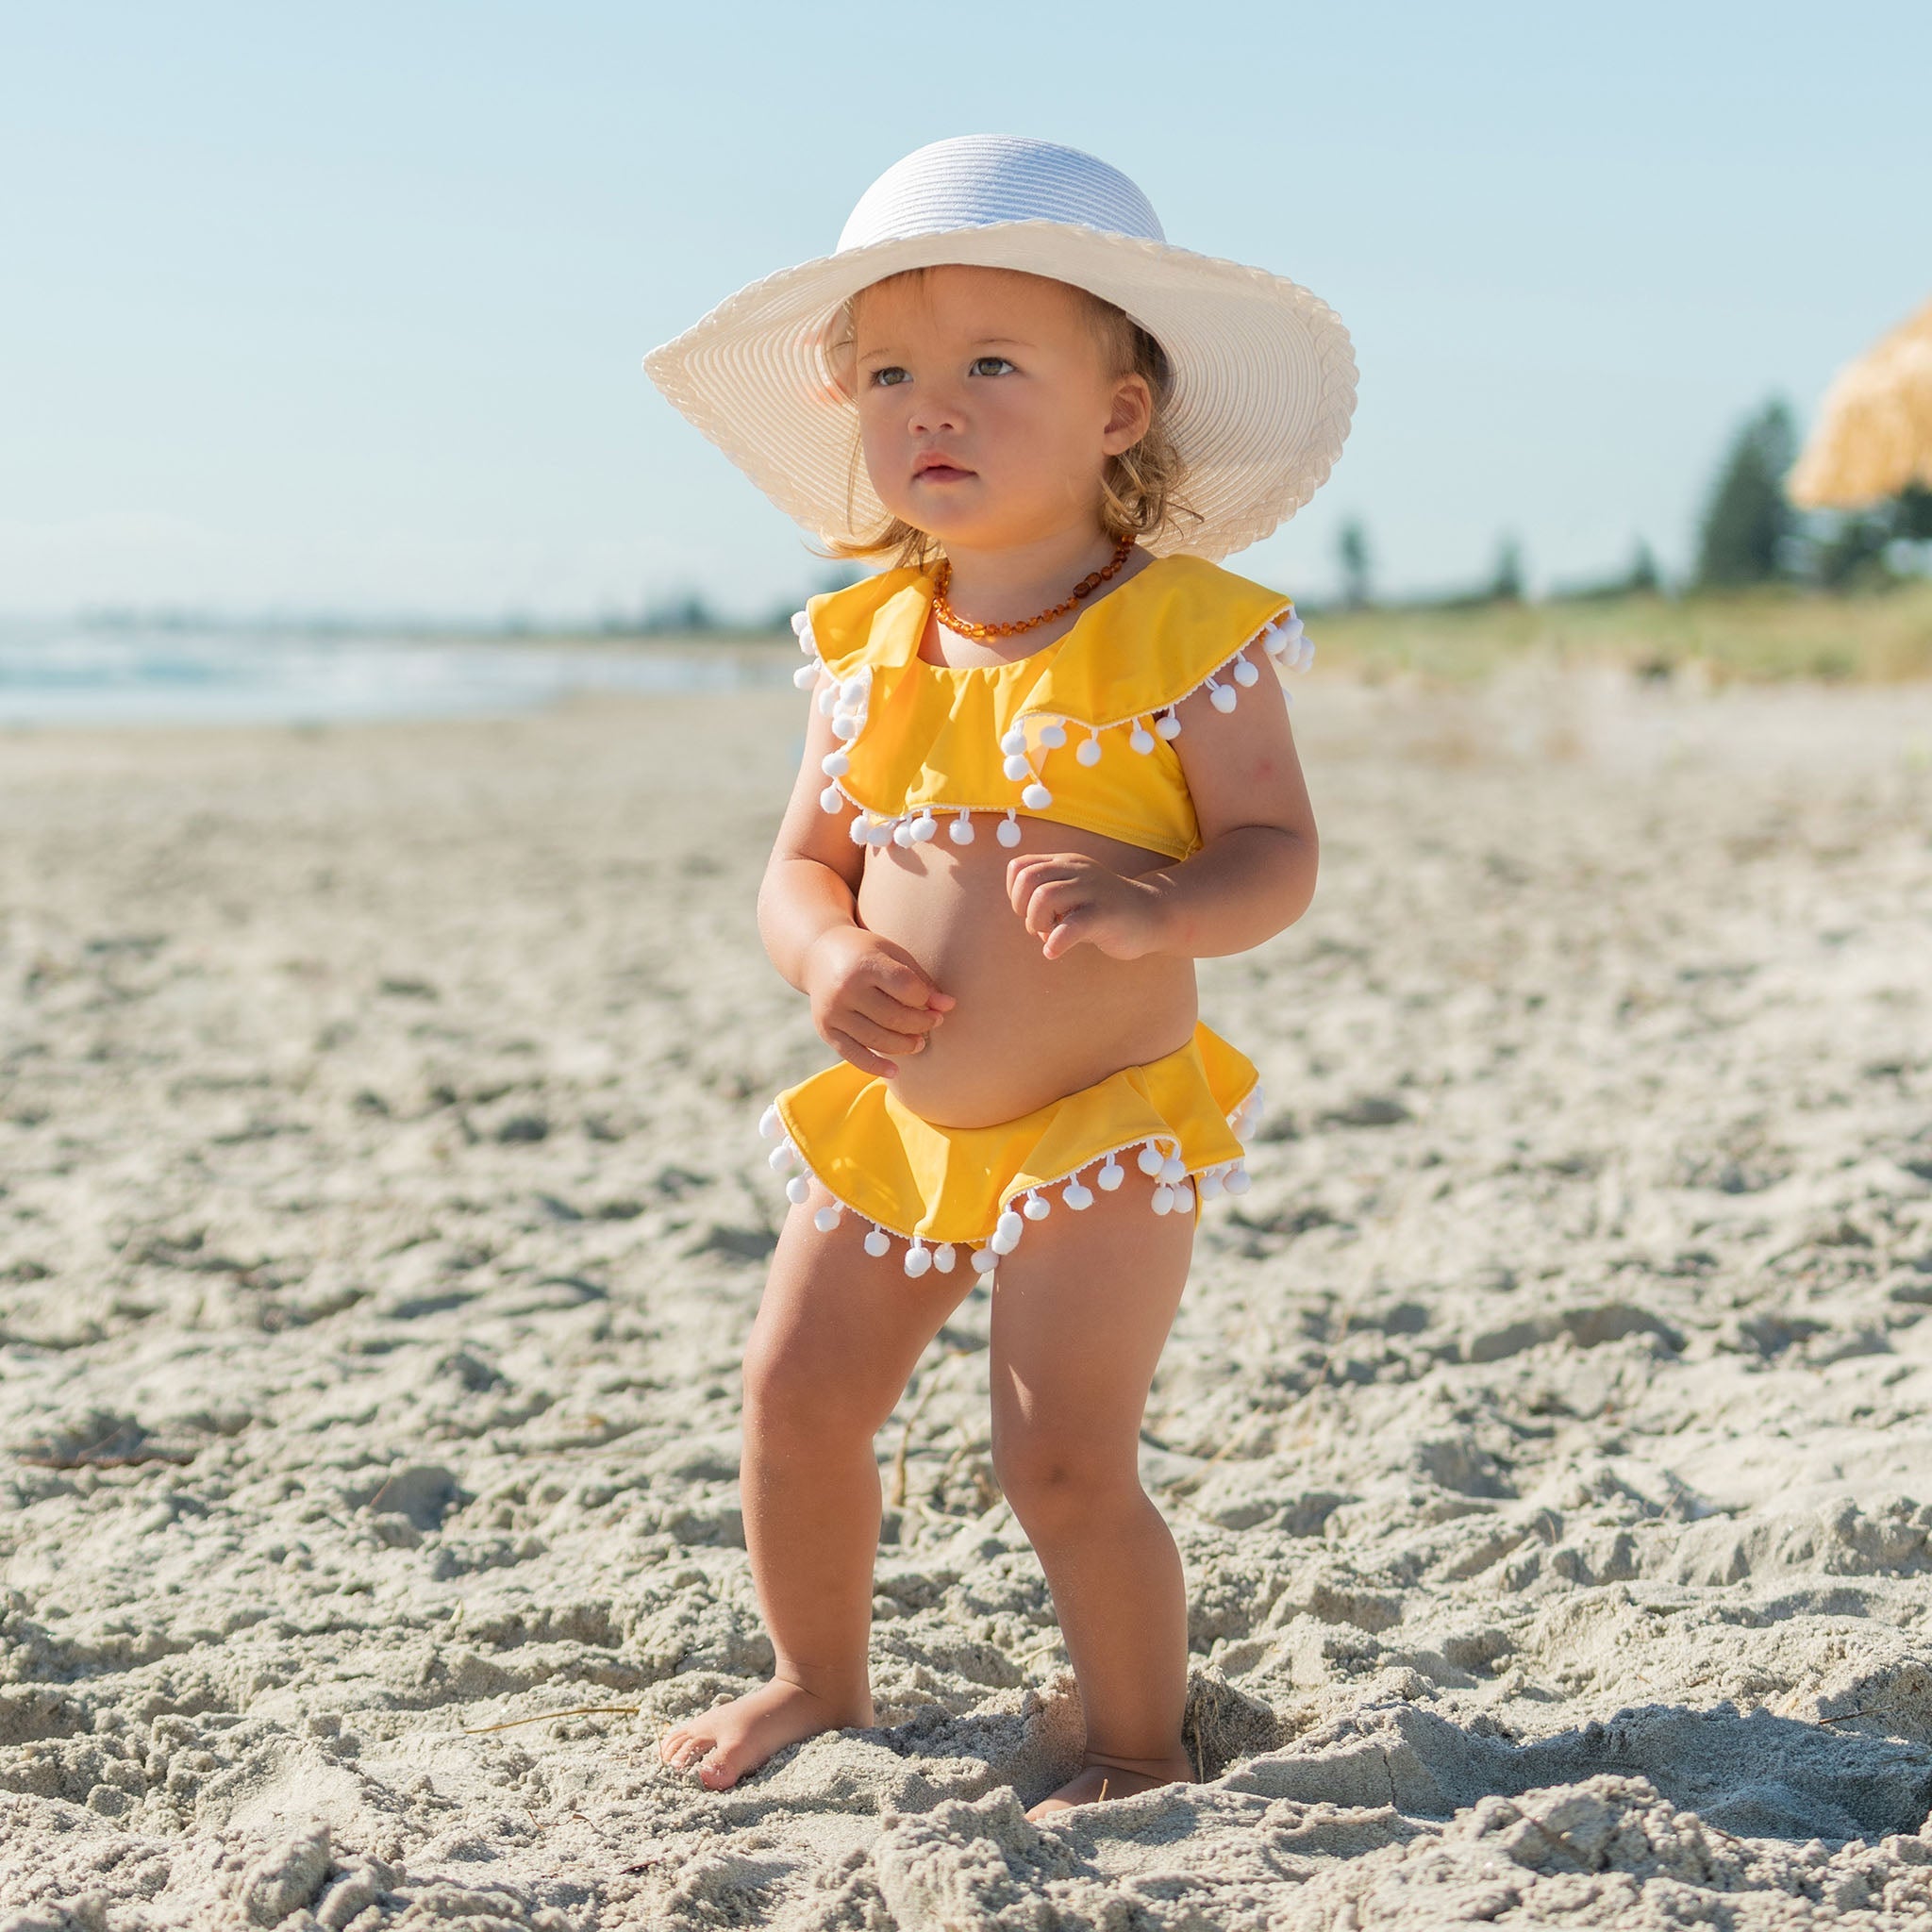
x=1056, y=1477
x=792, y=1397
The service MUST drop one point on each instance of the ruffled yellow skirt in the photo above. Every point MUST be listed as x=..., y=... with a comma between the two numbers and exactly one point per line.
x=1175, y=1125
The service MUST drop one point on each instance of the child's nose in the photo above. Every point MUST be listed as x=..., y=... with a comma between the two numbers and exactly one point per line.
x=936, y=411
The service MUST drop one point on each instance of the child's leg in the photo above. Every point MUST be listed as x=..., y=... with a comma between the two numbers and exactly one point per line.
x=1080, y=1311
x=837, y=1335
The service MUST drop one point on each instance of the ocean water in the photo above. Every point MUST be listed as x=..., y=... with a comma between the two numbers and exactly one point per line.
x=52, y=673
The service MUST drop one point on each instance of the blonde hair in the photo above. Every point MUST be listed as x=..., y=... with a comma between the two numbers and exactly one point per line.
x=1138, y=488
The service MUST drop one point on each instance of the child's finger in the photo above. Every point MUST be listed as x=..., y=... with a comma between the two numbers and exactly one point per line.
x=849, y=1049
x=887, y=1042
x=1024, y=877
x=1052, y=903
x=1076, y=929
x=1055, y=864
x=900, y=980
x=878, y=1004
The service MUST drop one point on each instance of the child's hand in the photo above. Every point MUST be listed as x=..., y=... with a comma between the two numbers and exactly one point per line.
x=869, y=999
x=1069, y=900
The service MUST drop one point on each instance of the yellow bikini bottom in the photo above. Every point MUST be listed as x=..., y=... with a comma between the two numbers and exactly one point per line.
x=1173, y=1127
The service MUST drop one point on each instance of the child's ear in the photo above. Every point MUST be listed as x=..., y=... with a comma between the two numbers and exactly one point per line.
x=1133, y=411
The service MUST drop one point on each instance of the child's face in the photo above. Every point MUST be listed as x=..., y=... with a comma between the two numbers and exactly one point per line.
x=986, y=408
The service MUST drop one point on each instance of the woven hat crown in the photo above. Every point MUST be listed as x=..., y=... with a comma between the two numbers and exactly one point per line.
x=977, y=179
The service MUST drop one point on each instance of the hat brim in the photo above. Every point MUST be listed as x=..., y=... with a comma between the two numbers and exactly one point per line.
x=1263, y=374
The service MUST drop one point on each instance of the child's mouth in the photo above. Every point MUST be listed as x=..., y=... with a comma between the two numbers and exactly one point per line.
x=940, y=473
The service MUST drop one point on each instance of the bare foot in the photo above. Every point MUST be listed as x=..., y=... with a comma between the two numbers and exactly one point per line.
x=738, y=1737
x=1108, y=1778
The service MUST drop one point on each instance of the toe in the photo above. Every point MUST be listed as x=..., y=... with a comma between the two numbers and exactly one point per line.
x=718, y=1770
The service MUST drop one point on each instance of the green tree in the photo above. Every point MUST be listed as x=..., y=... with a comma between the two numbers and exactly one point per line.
x=1644, y=575
x=1748, y=525
x=1912, y=515
x=1351, y=553
x=1853, y=553
x=1506, y=580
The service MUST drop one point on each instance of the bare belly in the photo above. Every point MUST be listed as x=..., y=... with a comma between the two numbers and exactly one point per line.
x=1026, y=1030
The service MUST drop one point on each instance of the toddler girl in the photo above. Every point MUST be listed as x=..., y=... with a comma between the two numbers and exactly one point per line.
x=1048, y=766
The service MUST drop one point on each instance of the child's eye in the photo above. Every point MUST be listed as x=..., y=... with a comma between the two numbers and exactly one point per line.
x=888, y=377
x=999, y=362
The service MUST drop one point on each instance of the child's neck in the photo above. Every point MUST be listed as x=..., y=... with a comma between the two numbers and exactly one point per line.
x=1011, y=583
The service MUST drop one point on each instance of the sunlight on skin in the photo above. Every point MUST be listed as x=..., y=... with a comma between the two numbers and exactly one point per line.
x=987, y=414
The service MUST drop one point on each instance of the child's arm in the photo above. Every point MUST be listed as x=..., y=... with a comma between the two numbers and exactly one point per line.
x=1254, y=874
x=869, y=998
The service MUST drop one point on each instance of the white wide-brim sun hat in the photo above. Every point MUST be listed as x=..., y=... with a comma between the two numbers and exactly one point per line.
x=1263, y=374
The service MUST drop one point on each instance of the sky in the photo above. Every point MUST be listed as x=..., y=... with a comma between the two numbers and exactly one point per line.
x=340, y=309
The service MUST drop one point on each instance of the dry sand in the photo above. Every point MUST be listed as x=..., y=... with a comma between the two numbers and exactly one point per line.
x=381, y=1212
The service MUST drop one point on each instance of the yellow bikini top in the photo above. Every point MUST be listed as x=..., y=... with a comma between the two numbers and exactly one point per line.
x=1079, y=733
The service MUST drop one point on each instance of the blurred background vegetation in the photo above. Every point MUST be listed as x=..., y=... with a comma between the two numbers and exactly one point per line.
x=1775, y=593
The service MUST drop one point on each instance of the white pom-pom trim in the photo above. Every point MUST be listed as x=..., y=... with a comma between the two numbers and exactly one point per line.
x=1175, y=1191
x=1281, y=636
x=847, y=700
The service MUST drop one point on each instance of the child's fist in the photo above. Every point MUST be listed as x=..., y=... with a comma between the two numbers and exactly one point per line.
x=869, y=1001
x=1068, y=900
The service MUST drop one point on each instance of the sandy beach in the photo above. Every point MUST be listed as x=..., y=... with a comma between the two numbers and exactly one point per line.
x=1547, y=1435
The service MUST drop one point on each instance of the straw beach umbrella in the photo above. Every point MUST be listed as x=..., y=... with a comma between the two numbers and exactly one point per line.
x=1874, y=437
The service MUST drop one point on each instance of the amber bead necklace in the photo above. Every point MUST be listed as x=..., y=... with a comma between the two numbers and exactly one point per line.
x=985, y=633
